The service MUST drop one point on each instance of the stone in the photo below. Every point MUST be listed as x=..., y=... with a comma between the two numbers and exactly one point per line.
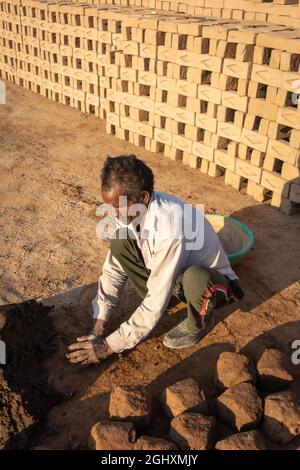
x=282, y=417
x=193, y=431
x=183, y=396
x=248, y=440
x=131, y=403
x=274, y=371
x=234, y=368
x=112, y=435
x=153, y=443
x=240, y=407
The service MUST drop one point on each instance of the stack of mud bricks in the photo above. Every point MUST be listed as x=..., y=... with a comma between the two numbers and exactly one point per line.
x=283, y=12
x=52, y=49
x=219, y=95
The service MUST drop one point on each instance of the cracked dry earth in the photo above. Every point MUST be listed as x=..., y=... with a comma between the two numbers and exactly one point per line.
x=50, y=159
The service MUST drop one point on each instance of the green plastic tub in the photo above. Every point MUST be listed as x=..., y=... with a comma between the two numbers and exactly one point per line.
x=236, y=238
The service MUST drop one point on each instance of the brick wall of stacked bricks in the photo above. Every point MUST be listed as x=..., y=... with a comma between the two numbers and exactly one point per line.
x=219, y=95
x=285, y=12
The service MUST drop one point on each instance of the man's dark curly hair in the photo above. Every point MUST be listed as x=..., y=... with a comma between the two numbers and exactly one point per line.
x=132, y=174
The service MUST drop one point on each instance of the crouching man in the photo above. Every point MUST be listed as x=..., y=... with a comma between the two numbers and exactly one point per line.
x=160, y=260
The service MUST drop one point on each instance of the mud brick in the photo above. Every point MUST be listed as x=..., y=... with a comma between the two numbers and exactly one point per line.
x=260, y=107
x=254, y=139
x=246, y=170
x=286, y=41
x=205, y=122
x=173, y=153
x=202, y=150
x=164, y=68
x=240, y=407
x=184, y=395
x=282, y=416
x=154, y=443
x=150, y=51
x=249, y=440
x=193, y=431
x=266, y=75
x=229, y=131
x=128, y=74
x=290, y=172
x=236, y=69
x=182, y=143
x=274, y=370
x=274, y=182
x=242, y=36
x=229, y=83
x=289, y=116
x=232, y=179
x=279, y=149
x=166, y=54
x=232, y=100
x=204, y=166
x=191, y=160
x=256, y=191
x=257, y=158
x=290, y=62
x=107, y=435
x=294, y=138
x=208, y=93
x=222, y=159
x=261, y=90
x=163, y=136
x=218, y=30
x=186, y=89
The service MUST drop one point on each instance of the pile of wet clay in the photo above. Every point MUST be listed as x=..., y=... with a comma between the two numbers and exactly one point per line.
x=26, y=330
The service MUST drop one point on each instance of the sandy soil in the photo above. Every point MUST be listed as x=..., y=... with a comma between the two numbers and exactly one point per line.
x=50, y=159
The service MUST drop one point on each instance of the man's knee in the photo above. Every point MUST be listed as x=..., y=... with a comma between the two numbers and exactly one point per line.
x=195, y=279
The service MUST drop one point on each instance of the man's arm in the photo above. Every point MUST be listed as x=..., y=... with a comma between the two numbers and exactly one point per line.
x=165, y=267
x=110, y=286
x=93, y=348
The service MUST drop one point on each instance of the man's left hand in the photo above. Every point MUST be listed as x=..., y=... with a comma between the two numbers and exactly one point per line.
x=93, y=351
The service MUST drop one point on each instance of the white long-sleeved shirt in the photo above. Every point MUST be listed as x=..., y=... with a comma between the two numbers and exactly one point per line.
x=166, y=256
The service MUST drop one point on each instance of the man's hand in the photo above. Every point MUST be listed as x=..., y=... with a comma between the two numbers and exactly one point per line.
x=90, y=351
x=98, y=329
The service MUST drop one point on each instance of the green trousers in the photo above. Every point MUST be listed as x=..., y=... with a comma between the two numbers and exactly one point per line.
x=203, y=289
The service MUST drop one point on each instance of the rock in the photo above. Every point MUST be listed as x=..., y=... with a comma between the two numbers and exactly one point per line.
x=130, y=403
x=112, y=435
x=154, y=443
x=240, y=407
x=183, y=396
x=274, y=371
x=282, y=417
x=233, y=369
x=249, y=440
x=193, y=431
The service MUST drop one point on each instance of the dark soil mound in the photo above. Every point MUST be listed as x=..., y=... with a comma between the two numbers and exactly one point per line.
x=25, y=396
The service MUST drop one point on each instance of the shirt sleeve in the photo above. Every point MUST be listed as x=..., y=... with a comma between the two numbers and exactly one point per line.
x=110, y=286
x=165, y=267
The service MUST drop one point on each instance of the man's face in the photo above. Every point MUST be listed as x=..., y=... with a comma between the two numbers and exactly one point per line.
x=122, y=204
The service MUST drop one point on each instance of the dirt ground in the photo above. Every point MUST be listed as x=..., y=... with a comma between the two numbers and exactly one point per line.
x=50, y=159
